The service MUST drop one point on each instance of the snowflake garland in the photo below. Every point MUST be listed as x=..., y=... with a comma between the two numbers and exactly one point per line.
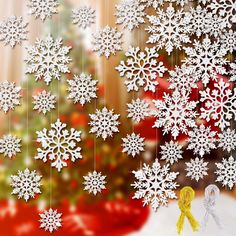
x=227, y=140
x=156, y=3
x=26, y=184
x=155, y=184
x=47, y=59
x=141, y=69
x=10, y=145
x=94, y=182
x=59, y=145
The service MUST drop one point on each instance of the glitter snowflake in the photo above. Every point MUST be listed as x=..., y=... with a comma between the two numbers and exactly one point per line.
x=168, y=29
x=82, y=88
x=10, y=145
x=228, y=40
x=171, y=152
x=50, y=220
x=133, y=144
x=9, y=96
x=141, y=69
x=13, y=31
x=226, y=172
x=44, y=102
x=201, y=140
x=130, y=13
x=59, y=145
x=232, y=71
x=107, y=41
x=219, y=104
x=155, y=184
x=207, y=58
x=26, y=184
x=47, y=59
x=138, y=110
x=83, y=16
x=227, y=140
x=94, y=182
x=104, y=123
x=175, y=113
x=43, y=8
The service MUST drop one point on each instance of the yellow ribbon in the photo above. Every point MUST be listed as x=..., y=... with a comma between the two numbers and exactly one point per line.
x=186, y=196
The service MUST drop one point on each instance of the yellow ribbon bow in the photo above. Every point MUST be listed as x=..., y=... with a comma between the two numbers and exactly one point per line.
x=186, y=196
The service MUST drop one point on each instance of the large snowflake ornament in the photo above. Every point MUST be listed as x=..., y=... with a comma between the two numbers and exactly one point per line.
x=104, y=123
x=168, y=29
x=9, y=96
x=83, y=16
x=171, y=152
x=44, y=102
x=107, y=41
x=228, y=40
x=219, y=104
x=207, y=58
x=175, y=113
x=26, y=184
x=155, y=184
x=10, y=145
x=94, y=182
x=196, y=169
x=130, y=13
x=47, y=59
x=133, y=144
x=201, y=140
x=227, y=140
x=226, y=172
x=82, y=88
x=141, y=69
x=13, y=31
x=50, y=220
x=43, y=9
x=58, y=145
x=232, y=71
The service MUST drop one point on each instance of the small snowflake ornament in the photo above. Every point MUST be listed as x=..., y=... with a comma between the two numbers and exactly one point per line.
x=50, y=220
x=9, y=96
x=82, y=88
x=104, y=123
x=58, y=145
x=226, y=172
x=196, y=169
x=133, y=144
x=141, y=69
x=228, y=40
x=47, y=59
x=43, y=9
x=26, y=184
x=171, y=152
x=227, y=140
x=13, y=31
x=130, y=13
x=155, y=184
x=94, y=182
x=44, y=102
x=83, y=16
x=232, y=71
x=10, y=145
x=107, y=41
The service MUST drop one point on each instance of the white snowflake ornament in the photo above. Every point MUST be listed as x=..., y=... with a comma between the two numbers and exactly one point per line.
x=141, y=69
x=196, y=169
x=156, y=3
x=232, y=71
x=50, y=220
x=104, y=123
x=107, y=41
x=9, y=96
x=26, y=184
x=133, y=144
x=10, y=145
x=228, y=40
x=94, y=182
x=227, y=140
x=155, y=184
x=47, y=59
x=82, y=88
x=13, y=31
x=226, y=172
x=59, y=145
x=44, y=102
